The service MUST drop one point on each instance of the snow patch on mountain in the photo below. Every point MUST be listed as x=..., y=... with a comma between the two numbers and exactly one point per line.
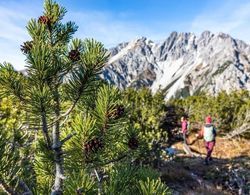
x=183, y=64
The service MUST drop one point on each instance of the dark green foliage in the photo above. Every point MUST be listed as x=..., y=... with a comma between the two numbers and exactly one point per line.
x=80, y=182
x=228, y=110
x=144, y=109
x=126, y=179
x=97, y=128
x=133, y=143
x=72, y=125
x=146, y=113
x=102, y=141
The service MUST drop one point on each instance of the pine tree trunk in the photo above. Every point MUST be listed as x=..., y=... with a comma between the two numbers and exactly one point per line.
x=57, y=147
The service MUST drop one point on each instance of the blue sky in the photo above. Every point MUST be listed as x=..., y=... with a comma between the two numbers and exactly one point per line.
x=115, y=21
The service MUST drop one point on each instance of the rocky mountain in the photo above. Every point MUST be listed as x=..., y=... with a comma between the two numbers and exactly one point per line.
x=183, y=64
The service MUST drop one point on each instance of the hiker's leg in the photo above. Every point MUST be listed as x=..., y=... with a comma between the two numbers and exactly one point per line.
x=207, y=148
x=187, y=139
x=206, y=145
x=211, y=147
x=184, y=138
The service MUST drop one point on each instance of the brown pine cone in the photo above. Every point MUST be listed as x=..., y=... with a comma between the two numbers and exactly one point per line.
x=133, y=143
x=27, y=46
x=74, y=55
x=44, y=20
x=118, y=112
x=87, y=148
x=93, y=145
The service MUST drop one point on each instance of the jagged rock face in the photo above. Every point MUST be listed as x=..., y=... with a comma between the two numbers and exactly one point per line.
x=184, y=64
x=132, y=64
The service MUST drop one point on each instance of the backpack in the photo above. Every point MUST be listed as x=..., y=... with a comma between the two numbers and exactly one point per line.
x=209, y=133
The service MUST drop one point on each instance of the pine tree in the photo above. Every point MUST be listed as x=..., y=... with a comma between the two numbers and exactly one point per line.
x=58, y=68
x=79, y=126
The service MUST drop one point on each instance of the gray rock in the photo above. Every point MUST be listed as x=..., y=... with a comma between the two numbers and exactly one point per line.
x=183, y=64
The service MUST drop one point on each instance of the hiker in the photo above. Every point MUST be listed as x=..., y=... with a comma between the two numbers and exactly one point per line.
x=208, y=132
x=184, y=128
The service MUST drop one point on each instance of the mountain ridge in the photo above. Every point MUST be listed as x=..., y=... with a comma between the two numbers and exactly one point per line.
x=181, y=65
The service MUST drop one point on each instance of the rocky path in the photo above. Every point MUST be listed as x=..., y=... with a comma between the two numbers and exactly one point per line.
x=229, y=173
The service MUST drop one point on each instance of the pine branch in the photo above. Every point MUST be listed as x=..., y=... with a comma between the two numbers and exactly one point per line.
x=68, y=137
x=110, y=161
x=79, y=94
x=45, y=128
x=60, y=143
x=11, y=81
x=64, y=121
x=115, y=160
x=65, y=114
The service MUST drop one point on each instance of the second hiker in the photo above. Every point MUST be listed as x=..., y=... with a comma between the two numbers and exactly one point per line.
x=208, y=132
x=184, y=129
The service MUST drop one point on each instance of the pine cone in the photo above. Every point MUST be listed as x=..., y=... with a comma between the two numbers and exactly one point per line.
x=118, y=112
x=87, y=148
x=93, y=145
x=74, y=55
x=44, y=20
x=133, y=143
x=27, y=46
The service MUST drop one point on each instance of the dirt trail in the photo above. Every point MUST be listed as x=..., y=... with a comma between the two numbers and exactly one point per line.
x=229, y=173
x=224, y=148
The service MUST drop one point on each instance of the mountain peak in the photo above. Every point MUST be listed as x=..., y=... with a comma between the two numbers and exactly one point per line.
x=224, y=35
x=183, y=64
x=206, y=34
